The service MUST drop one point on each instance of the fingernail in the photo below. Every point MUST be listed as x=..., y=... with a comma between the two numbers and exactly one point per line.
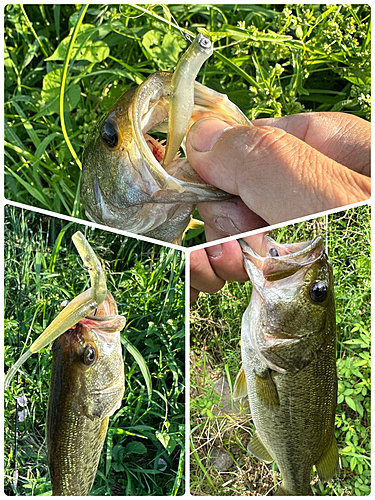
x=215, y=251
x=205, y=133
x=227, y=225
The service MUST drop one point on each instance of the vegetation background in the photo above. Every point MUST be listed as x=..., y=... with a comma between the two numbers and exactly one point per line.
x=216, y=352
x=145, y=446
x=270, y=60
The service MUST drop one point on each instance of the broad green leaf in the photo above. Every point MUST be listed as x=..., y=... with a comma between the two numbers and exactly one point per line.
x=136, y=447
x=50, y=100
x=350, y=402
x=52, y=79
x=92, y=52
x=164, y=49
x=166, y=440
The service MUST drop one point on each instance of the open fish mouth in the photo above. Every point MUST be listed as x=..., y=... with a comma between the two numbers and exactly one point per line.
x=143, y=177
x=150, y=112
x=135, y=182
x=106, y=323
x=282, y=261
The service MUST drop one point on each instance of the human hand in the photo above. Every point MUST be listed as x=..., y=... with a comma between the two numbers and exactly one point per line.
x=211, y=267
x=281, y=169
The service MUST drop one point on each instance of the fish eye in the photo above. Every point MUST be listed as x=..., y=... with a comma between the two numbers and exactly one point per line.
x=110, y=133
x=274, y=252
x=89, y=355
x=318, y=291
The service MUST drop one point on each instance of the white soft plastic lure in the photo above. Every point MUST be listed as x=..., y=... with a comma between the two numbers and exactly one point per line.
x=80, y=307
x=182, y=93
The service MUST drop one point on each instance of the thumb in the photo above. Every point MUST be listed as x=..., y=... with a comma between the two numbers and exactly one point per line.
x=277, y=175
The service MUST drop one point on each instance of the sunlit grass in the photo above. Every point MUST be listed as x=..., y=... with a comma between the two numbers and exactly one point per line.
x=270, y=60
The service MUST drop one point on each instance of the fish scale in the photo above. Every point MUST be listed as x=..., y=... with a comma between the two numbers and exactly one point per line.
x=74, y=457
x=280, y=427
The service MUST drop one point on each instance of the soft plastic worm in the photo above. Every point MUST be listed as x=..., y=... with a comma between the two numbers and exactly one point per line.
x=181, y=101
x=77, y=309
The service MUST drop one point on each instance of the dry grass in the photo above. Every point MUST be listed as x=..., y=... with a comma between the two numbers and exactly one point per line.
x=226, y=427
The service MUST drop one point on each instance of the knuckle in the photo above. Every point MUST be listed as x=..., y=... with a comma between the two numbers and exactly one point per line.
x=268, y=138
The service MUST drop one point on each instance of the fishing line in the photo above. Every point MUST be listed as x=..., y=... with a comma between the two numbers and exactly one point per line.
x=186, y=36
x=162, y=19
x=131, y=17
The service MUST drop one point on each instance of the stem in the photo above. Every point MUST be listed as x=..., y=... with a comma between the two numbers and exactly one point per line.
x=33, y=31
x=63, y=83
x=165, y=21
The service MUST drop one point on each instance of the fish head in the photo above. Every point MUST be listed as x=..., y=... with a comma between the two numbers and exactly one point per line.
x=88, y=364
x=293, y=289
x=124, y=183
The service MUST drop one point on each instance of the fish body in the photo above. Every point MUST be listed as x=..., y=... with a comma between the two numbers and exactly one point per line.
x=86, y=387
x=124, y=183
x=288, y=348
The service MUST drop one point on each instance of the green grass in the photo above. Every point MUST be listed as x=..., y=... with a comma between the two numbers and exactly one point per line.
x=270, y=60
x=215, y=337
x=43, y=268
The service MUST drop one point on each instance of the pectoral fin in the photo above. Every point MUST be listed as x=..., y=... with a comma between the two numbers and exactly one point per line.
x=103, y=429
x=240, y=386
x=266, y=389
x=257, y=448
x=328, y=464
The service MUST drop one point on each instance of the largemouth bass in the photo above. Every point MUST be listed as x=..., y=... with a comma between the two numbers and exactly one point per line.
x=87, y=379
x=129, y=179
x=288, y=346
x=86, y=388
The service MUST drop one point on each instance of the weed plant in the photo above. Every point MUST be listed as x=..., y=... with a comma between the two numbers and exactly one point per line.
x=144, y=450
x=216, y=352
x=270, y=60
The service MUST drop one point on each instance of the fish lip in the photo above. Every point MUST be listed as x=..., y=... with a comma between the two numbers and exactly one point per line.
x=286, y=264
x=160, y=82
x=306, y=247
x=106, y=323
